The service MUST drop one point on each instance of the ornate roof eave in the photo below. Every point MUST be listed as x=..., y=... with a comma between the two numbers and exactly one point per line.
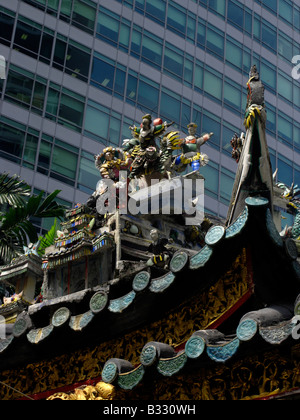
x=263, y=329
x=125, y=311
x=20, y=266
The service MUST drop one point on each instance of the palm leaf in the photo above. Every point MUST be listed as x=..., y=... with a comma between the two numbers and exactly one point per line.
x=48, y=239
x=16, y=228
x=13, y=191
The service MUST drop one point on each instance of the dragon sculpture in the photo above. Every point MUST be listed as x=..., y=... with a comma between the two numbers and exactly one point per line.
x=292, y=194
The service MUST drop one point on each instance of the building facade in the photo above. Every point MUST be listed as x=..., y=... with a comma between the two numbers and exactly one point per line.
x=80, y=72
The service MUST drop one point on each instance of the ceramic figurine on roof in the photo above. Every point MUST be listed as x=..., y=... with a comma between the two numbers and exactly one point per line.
x=190, y=147
x=111, y=162
x=147, y=154
x=292, y=195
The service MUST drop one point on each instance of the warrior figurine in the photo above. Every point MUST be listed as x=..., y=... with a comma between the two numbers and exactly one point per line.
x=147, y=154
x=190, y=147
x=146, y=134
x=111, y=162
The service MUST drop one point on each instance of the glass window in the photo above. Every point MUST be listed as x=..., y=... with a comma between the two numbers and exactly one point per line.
x=176, y=18
x=152, y=51
x=211, y=175
x=201, y=33
x=6, y=28
x=285, y=129
x=285, y=170
x=188, y=72
x=102, y=74
x=191, y=27
x=269, y=35
x=285, y=47
x=285, y=10
x=19, y=88
x=248, y=21
x=226, y=185
x=234, y=53
x=96, y=122
x=120, y=82
x=148, y=96
x=257, y=27
x=131, y=93
x=268, y=76
x=185, y=113
x=271, y=4
x=157, y=9
x=198, y=76
x=235, y=13
x=215, y=41
x=88, y=176
x=212, y=124
x=170, y=106
x=272, y=118
x=84, y=15
x=173, y=61
x=60, y=53
x=71, y=111
x=218, y=6
x=66, y=9
x=108, y=26
x=213, y=84
x=46, y=45
x=11, y=142
x=297, y=174
x=44, y=157
x=52, y=103
x=64, y=162
x=124, y=37
x=27, y=37
x=38, y=98
x=30, y=149
x=114, y=130
x=78, y=62
x=285, y=87
x=232, y=95
x=136, y=42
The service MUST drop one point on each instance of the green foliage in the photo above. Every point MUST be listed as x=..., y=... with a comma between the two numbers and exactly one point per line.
x=16, y=229
x=48, y=239
x=13, y=191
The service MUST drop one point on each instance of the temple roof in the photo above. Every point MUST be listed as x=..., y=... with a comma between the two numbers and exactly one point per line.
x=69, y=322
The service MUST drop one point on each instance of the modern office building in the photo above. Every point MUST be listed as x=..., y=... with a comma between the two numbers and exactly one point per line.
x=80, y=72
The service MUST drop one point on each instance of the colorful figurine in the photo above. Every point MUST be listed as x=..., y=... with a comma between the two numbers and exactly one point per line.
x=111, y=162
x=190, y=147
x=147, y=153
